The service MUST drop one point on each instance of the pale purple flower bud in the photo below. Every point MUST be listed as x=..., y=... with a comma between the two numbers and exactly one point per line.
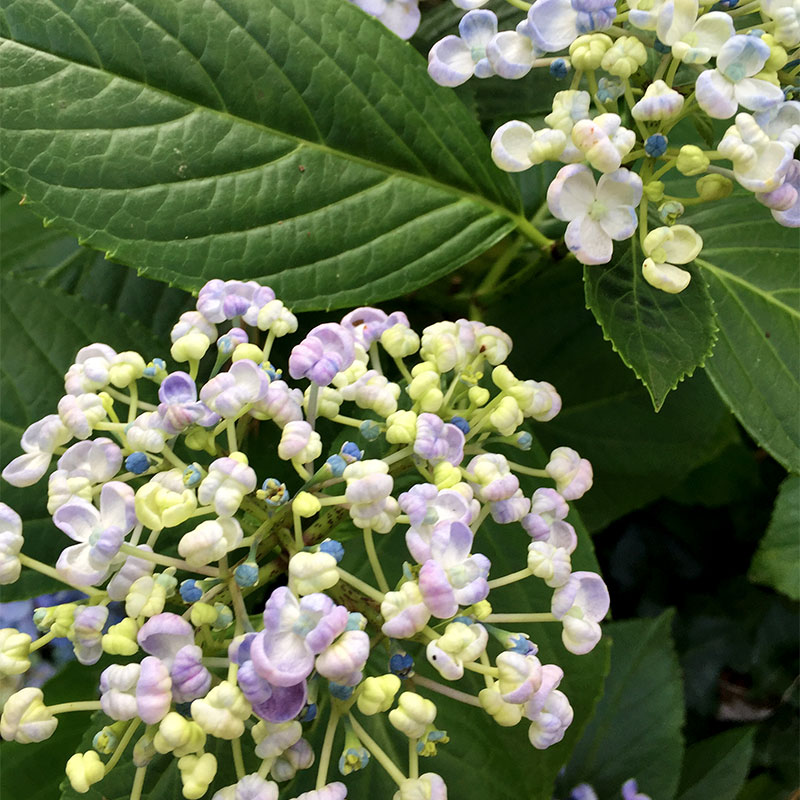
x=87, y=633
x=438, y=440
x=11, y=542
x=118, y=691
x=90, y=372
x=229, y=393
x=331, y=791
x=221, y=300
x=552, y=564
x=153, y=690
x=299, y=441
x=191, y=336
x=210, y=541
x=163, y=635
x=190, y=679
x=537, y=399
x=368, y=491
x=80, y=413
x=26, y=718
x=460, y=644
x=229, y=479
x=491, y=477
x=326, y=350
x=550, y=725
x=280, y=404
x=416, y=500
x=133, y=569
x=38, y=443
x=299, y=756
x=455, y=59
x=448, y=345
x=630, y=791
x=519, y=676
x=547, y=508
x=368, y=324
x=399, y=16
x=343, y=660
x=273, y=739
x=585, y=591
x=251, y=787
x=179, y=407
x=429, y=785
x=572, y=474
x=146, y=433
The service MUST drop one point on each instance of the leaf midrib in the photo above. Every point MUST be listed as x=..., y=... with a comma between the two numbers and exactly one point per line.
x=321, y=147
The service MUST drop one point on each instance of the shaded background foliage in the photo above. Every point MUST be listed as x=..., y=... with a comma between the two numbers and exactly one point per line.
x=342, y=176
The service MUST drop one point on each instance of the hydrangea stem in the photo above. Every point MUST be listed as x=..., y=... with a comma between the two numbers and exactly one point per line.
x=138, y=783
x=374, y=561
x=413, y=759
x=545, y=616
x=327, y=747
x=512, y=577
x=238, y=761
x=447, y=691
x=77, y=705
x=403, y=368
x=42, y=641
x=535, y=473
x=123, y=743
x=377, y=753
x=266, y=766
x=32, y=563
x=363, y=587
x=168, y=561
x=393, y=458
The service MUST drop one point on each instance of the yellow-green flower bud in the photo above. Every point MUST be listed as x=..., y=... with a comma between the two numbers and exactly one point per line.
x=478, y=396
x=222, y=711
x=503, y=377
x=15, y=649
x=312, y=572
x=505, y=714
x=401, y=427
x=692, y=160
x=197, y=772
x=507, y=417
x=624, y=57
x=179, y=735
x=445, y=475
x=203, y=614
x=85, y=769
x=587, y=52
x=120, y=640
x=714, y=187
x=400, y=341
x=480, y=610
x=413, y=714
x=145, y=598
x=306, y=504
x=654, y=191
x=376, y=695
x=248, y=352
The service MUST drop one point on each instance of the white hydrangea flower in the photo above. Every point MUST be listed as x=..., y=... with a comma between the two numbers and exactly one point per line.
x=786, y=14
x=659, y=102
x=665, y=247
x=399, y=16
x=39, y=441
x=455, y=59
x=603, y=141
x=705, y=39
x=210, y=541
x=517, y=147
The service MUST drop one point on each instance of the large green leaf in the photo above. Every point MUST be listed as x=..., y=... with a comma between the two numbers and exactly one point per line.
x=637, y=455
x=753, y=271
x=662, y=337
x=56, y=260
x=295, y=141
x=41, y=330
x=777, y=561
x=717, y=767
x=636, y=732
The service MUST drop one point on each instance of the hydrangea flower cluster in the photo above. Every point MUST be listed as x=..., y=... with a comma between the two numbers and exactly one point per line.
x=638, y=69
x=226, y=598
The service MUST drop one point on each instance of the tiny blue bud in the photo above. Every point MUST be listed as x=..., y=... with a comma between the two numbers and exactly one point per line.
x=520, y=643
x=334, y=548
x=340, y=692
x=465, y=620
x=370, y=430
x=273, y=492
x=246, y=574
x=656, y=145
x=224, y=617
x=402, y=665
x=351, y=452
x=609, y=89
x=226, y=345
x=137, y=462
x=156, y=370
x=192, y=475
x=309, y=713
x=559, y=69
x=273, y=372
x=524, y=440
x=356, y=621
x=461, y=424
x=337, y=465
x=660, y=47
x=190, y=591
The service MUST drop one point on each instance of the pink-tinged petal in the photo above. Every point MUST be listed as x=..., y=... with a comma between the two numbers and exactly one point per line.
x=436, y=590
x=715, y=94
x=164, y=634
x=588, y=241
x=153, y=691
x=78, y=519
x=572, y=192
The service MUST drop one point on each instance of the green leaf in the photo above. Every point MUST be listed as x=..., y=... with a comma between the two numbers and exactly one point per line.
x=296, y=142
x=636, y=732
x=41, y=331
x=34, y=771
x=56, y=260
x=662, y=337
x=751, y=266
x=777, y=560
x=717, y=767
x=637, y=455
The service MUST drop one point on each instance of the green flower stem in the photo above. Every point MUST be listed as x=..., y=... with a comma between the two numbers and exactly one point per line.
x=311, y=408
x=686, y=201
x=520, y=4
x=230, y=429
x=239, y=608
x=631, y=101
x=42, y=641
x=266, y=766
x=374, y=561
x=301, y=470
x=673, y=68
x=402, y=453
x=536, y=473
x=512, y=577
x=77, y=705
x=352, y=422
x=665, y=169
x=499, y=267
x=576, y=80
x=479, y=520
x=375, y=358
x=138, y=783
x=32, y=563
x=591, y=79
x=363, y=587
x=168, y=561
x=543, y=617
x=268, y=344
x=483, y=415
x=238, y=761
x=129, y=400
x=447, y=691
x=173, y=459
x=378, y=754
x=298, y=531
x=413, y=759
x=331, y=500
x=327, y=747
x=529, y=230
x=486, y=669
x=123, y=743
x=403, y=368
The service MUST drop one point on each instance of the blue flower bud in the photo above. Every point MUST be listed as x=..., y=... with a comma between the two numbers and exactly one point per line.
x=156, y=370
x=192, y=475
x=340, y=692
x=660, y=47
x=137, y=463
x=333, y=548
x=370, y=430
x=226, y=345
x=337, y=465
x=559, y=69
x=246, y=574
x=309, y=713
x=273, y=372
x=520, y=643
x=524, y=440
x=609, y=89
x=656, y=145
x=356, y=621
x=402, y=665
x=351, y=452
x=190, y=591
x=273, y=492
x=461, y=424
x=224, y=617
